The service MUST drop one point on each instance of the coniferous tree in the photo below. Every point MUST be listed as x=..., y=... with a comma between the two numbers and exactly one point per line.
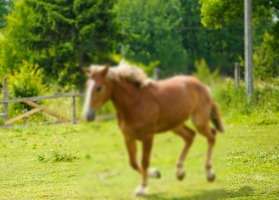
x=151, y=29
x=60, y=36
x=5, y=6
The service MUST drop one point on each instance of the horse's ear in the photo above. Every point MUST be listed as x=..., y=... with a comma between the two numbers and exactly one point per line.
x=105, y=70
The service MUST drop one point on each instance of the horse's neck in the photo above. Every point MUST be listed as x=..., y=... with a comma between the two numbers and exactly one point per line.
x=124, y=97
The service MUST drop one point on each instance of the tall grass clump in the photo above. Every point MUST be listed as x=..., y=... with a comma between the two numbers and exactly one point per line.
x=205, y=74
x=262, y=109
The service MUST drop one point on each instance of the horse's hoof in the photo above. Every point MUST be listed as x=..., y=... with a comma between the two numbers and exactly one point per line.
x=180, y=174
x=211, y=177
x=141, y=191
x=154, y=173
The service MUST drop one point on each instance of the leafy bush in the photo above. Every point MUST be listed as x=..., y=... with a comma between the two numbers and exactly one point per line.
x=203, y=72
x=26, y=82
x=266, y=58
x=231, y=98
x=263, y=109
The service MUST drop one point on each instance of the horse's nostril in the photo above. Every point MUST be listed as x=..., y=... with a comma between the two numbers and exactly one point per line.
x=89, y=116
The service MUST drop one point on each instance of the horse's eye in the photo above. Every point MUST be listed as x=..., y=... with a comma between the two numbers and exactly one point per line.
x=98, y=88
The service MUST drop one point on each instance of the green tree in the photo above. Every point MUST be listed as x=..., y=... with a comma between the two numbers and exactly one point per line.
x=4, y=9
x=151, y=31
x=14, y=46
x=221, y=13
x=219, y=47
x=59, y=36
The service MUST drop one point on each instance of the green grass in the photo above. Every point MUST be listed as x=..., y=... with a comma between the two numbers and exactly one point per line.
x=89, y=161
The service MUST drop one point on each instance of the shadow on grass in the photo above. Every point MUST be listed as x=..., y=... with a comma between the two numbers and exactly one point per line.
x=216, y=194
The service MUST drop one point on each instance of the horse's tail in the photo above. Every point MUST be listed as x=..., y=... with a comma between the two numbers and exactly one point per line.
x=216, y=118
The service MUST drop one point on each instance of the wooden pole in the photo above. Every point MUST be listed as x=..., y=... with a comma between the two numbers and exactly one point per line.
x=5, y=98
x=236, y=74
x=156, y=73
x=248, y=48
x=74, y=113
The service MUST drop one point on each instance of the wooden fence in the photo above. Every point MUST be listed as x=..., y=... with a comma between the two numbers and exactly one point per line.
x=32, y=102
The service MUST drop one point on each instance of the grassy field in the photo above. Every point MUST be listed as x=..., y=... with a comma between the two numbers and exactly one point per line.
x=89, y=161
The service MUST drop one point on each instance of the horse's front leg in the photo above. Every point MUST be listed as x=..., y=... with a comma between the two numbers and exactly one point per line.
x=132, y=152
x=146, y=151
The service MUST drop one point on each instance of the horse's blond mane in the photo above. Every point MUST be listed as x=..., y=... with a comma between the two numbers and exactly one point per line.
x=130, y=73
x=124, y=71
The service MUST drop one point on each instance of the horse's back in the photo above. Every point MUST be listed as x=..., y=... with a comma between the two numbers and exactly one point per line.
x=179, y=98
x=183, y=86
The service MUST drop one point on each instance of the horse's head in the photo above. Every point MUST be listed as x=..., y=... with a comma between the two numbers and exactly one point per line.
x=97, y=90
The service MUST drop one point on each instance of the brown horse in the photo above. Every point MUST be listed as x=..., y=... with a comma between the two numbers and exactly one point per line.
x=145, y=107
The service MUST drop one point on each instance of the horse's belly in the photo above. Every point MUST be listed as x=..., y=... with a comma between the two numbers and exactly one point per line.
x=140, y=129
x=171, y=122
x=163, y=122
x=141, y=123
x=176, y=105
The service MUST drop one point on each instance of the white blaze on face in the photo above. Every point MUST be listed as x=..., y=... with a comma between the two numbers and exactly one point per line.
x=87, y=110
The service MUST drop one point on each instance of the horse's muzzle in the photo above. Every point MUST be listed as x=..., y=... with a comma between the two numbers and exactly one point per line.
x=89, y=116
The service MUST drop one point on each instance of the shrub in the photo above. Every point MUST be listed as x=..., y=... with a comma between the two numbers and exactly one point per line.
x=26, y=82
x=204, y=74
x=263, y=109
x=266, y=58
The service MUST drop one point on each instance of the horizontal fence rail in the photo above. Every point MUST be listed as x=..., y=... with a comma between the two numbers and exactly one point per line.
x=31, y=101
x=36, y=107
x=38, y=98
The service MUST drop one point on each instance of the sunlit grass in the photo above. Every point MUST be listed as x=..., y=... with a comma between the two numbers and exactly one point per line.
x=89, y=161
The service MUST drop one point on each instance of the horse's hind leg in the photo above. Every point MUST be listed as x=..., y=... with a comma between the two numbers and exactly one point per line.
x=208, y=164
x=210, y=135
x=188, y=136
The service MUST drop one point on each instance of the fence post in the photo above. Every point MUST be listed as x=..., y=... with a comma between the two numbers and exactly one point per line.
x=5, y=99
x=248, y=48
x=236, y=74
x=74, y=114
x=156, y=73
